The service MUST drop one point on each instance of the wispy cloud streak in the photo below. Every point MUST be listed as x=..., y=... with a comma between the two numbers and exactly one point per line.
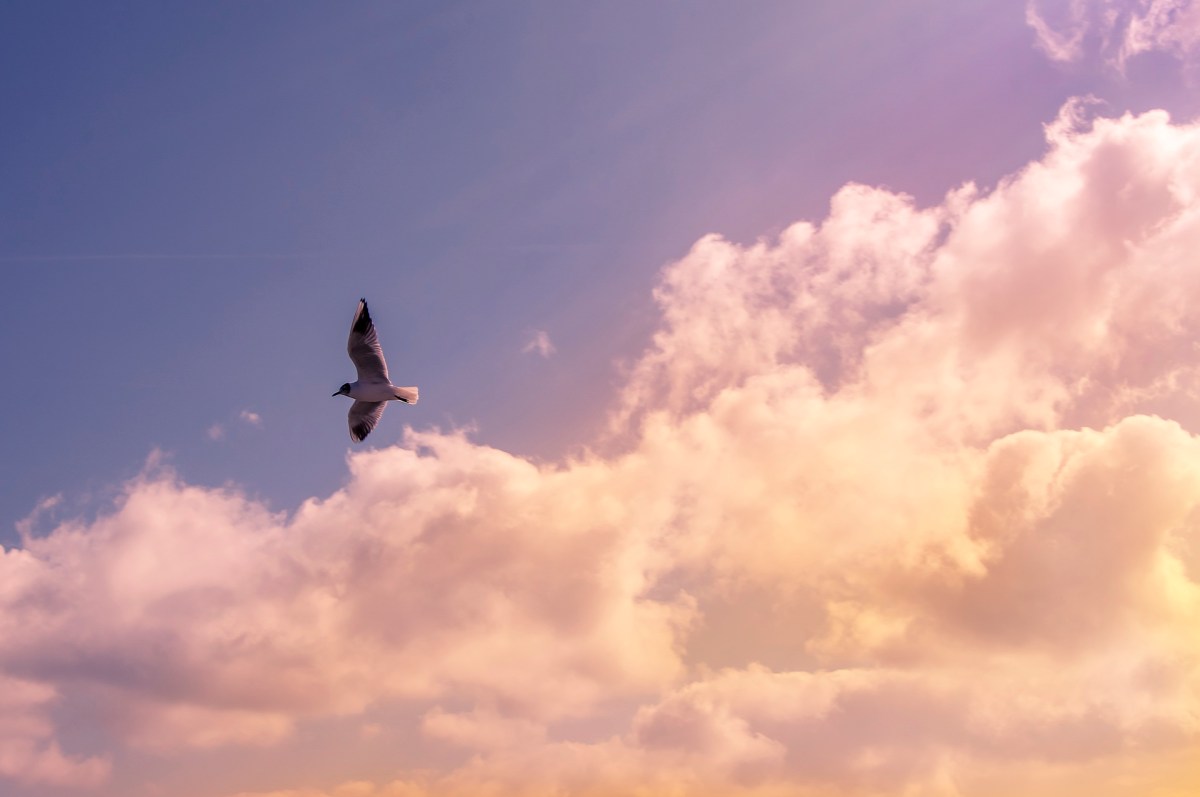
x=1116, y=30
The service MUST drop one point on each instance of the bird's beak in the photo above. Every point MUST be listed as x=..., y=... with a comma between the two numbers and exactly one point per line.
x=337, y=394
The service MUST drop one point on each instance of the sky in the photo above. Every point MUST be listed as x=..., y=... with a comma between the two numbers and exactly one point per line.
x=810, y=399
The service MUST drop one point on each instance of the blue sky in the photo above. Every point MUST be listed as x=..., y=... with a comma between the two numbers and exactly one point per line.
x=196, y=195
x=193, y=197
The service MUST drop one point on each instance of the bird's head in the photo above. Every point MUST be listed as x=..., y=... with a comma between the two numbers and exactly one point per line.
x=344, y=390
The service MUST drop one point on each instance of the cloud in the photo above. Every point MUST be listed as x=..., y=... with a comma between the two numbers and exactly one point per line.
x=356, y=788
x=904, y=502
x=1116, y=30
x=28, y=751
x=1062, y=41
x=219, y=431
x=480, y=729
x=1171, y=26
x=210, y=621
x=539, y=342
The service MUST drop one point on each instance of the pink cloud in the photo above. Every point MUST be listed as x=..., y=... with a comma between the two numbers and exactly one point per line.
x=539, y=342
x=1121, y=29
x=28, y=750
x=480, y=729
x=901, y=502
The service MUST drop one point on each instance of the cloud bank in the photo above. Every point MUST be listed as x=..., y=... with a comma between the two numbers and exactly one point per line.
x=904, y=502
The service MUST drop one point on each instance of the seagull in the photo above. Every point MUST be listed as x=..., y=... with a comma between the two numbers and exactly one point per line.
x=373, y=389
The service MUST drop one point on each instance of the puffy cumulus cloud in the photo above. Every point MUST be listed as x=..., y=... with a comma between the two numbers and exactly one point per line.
x=1117, y=30
x=1132, y=489
x=1066, y=643
x=201, y=619
x=816, y=296
x=906, y=502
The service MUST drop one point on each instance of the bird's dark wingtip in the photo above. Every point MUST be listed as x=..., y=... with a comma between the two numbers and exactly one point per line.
x=363, y=320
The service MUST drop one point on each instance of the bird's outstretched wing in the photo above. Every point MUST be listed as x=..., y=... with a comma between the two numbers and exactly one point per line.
x=363, y=348
x=363, y=417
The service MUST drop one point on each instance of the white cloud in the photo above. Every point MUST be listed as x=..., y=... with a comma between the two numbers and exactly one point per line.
x=898, y=510
x=251, y=418
x=216, y=432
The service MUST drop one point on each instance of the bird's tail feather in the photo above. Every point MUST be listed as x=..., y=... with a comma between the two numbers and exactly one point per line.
x=407, y=394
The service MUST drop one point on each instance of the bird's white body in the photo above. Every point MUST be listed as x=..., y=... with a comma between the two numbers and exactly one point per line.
x=373, y=388
x=382, y=391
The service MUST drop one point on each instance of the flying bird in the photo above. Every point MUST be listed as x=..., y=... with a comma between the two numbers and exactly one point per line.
x=373, y=389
